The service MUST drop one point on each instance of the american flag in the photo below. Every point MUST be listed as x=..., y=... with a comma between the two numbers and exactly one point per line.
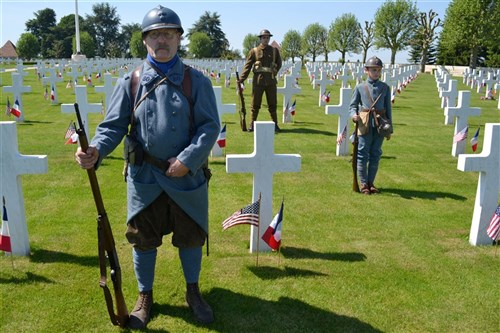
x=494, y=228
x=342, y=136
x=462, y=135
x=246, y=215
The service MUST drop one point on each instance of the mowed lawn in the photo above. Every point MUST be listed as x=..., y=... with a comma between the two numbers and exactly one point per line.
x=399, y=261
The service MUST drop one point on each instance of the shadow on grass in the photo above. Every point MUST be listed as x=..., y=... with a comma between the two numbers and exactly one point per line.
x=236, y=312
x=33, y=122
x=27, y=279
x=412, y=194
x=304, y=131
x=46, y=256
x=301, y=253
x=271, y=273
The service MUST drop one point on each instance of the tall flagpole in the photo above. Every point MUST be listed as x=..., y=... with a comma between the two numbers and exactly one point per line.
x=78, y=56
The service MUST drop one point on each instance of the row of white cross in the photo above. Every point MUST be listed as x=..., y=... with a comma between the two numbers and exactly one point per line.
x=262, y=163
x=487, y=163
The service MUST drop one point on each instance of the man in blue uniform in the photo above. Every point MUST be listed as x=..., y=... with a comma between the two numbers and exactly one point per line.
x=371, y=100
x=171, y=135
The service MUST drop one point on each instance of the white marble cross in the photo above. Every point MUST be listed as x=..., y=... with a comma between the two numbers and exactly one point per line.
x=488, y=186
x=461, y=113
x=17, y=89
x=53, y=79
x=449, y=98
x=263, y=163
x=221, y=109
x=12, y=166
x=84, y=106
x=342, y=109
x=107, y=89
x=322, y=83
x=288, y=90
x=344, y=77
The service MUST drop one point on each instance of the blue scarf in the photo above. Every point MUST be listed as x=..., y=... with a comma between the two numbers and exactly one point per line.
x=164, y=66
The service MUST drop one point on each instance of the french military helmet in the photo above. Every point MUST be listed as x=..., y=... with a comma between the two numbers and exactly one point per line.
x=161, y=18
x=374, y=62
x=265, y=32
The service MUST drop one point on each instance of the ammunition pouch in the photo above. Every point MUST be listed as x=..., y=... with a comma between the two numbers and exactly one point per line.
x=133, y=154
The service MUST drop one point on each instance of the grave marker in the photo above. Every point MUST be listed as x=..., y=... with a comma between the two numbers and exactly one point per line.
x=262, y=163
x=17, y=89
x=488, y=186
x=221, y=109
x=342, y=109
x=12, y=166
x=84, y=105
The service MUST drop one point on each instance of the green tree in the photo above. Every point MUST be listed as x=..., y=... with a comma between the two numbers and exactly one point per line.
x=395, y=25
x=136, y=47
x=291, y=46
x=210, y=24
x=314, y=41
x=366, y=38
x=105, y=23
x=249, y=42
x=87, y=44
x=127, y=32
x=344, y=35
x=28, y=46
x=470, y=28
x=41, y=27
x=200, y=45
x=425, y=35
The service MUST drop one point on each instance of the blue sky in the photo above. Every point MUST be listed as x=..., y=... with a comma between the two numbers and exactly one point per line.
x=238, y=18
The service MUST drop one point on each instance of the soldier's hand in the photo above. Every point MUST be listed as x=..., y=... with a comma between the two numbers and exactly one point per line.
x=176, y=168
x=355, y=118
x=88, y=159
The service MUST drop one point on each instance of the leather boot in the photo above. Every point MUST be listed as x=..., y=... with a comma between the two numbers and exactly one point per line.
x=201, y=310
x=365, y=189
x=274, y=117
x=373, y=189
x=139, y=317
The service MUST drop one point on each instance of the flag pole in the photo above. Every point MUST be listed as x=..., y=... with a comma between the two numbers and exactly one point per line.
x=281, y=239
x=258, y=234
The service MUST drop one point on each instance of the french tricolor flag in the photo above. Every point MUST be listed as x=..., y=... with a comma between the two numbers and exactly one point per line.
x=16, y=110
x=474, y=140
x=272, y=236
x=5, y=244
x=221, y=140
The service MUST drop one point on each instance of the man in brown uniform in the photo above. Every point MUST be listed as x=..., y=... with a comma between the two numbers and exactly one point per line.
x=266, y=62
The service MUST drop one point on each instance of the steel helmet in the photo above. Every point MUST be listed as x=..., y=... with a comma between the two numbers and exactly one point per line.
x=264, y=32
x=374, y=62
x=160, y=18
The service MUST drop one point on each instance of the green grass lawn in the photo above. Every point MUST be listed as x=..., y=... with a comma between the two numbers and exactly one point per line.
x=399, y=261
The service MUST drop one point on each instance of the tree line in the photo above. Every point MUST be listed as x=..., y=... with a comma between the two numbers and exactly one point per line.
x=468, y=35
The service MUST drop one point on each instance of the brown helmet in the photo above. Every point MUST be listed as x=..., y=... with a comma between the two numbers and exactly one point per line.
x=264, y=32
x=374, y=62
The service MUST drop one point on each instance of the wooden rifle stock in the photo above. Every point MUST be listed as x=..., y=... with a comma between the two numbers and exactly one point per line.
x=106, y=243
x=355, y=185
x=243, y=112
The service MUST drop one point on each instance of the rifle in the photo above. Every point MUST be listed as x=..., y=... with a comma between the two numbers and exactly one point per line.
x=355, y=185
x=243, y=112
x=106, y=243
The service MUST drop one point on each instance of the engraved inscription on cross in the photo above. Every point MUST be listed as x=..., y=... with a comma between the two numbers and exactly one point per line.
x=12, y=166
x=342, y=109
x=84, y=105
x=488, y=186
x=17, y=89
x=263, y=163
x=461, y=112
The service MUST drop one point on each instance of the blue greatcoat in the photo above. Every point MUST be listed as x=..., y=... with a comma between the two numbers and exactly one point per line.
x=163, y=124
